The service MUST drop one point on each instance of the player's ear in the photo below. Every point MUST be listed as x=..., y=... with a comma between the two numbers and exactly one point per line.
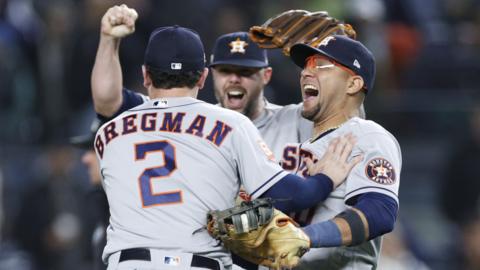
x=203, y=78
x=147, y=81
x=267, y=75
x=354, y=84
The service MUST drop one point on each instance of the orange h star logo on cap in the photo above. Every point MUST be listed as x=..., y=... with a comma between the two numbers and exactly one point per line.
x=238, y=46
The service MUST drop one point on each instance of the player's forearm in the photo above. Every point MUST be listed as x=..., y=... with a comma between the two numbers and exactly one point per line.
x=372, y=216
x=295, y=193
x=107, y=77
x=348, y=229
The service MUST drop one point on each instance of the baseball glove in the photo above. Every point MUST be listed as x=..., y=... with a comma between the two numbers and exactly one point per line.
x=298, y=26
x=259, y=233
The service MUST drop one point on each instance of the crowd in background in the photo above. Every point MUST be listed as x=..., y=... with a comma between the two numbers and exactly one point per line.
x=426, y=93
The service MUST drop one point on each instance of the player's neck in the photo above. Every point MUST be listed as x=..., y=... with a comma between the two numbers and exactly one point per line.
x=258, y=108
x=154, y=93
x=330, y=122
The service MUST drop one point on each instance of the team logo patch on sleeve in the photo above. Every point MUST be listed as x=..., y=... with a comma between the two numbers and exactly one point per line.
x=266, y=150
x=381, y=171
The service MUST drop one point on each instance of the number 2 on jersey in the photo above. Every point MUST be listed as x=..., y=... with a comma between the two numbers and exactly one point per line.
x=149, y=174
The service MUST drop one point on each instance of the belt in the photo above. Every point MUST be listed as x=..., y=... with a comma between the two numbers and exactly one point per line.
x=143, y=254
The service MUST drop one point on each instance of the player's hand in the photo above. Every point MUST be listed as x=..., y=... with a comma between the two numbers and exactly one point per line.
x=334, y=163
x=119, y=21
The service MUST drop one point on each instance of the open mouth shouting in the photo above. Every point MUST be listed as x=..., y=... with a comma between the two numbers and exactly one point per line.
x=310, y=92
x=235, y=98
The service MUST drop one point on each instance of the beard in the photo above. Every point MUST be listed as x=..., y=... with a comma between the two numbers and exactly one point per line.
x=250, y=108
x=312, y=113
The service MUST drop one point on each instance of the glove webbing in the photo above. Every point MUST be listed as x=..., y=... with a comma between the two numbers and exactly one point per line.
x=246, y=217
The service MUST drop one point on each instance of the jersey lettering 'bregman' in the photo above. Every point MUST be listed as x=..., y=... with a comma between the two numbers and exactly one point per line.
x=162, y=122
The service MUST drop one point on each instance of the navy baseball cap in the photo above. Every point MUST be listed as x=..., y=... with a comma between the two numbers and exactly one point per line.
x=239, y=50
x=343, y=50
x=175, y=49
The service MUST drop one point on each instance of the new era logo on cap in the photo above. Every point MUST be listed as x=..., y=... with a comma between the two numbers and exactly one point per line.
x=237, y=49
x=356, y=63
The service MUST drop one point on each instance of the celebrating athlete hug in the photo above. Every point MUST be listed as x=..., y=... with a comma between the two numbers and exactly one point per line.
x=173, y=165
x=239, y=135
x=169, y=162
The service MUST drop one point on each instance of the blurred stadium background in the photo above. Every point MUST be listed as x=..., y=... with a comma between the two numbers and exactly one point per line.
x=426, y=93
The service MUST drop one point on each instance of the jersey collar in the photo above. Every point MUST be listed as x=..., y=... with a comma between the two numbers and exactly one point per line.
x=168, y=102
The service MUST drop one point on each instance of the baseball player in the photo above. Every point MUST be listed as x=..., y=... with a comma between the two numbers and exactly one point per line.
x=168, y=161
x=337, y=74
x=240, y=72
x=98, y=205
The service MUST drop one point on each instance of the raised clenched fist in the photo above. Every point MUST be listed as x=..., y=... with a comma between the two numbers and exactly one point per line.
x=119, y=21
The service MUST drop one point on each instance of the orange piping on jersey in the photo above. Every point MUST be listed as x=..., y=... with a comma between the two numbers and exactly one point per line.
x=302, y=166
x=175, y=125
x=197, y=125
x=219, y=132
x=180, y=192
x=152, y=151
x=266, y=150
x=109, y=132
x=153, y=122
x=99, y=146
x=129, y=125
x=289, y=159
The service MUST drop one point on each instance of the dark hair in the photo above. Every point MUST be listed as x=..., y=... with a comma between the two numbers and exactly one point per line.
x=166, y=80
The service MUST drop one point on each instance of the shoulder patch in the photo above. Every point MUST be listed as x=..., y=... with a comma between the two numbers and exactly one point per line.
x=380, y=171
x=266, y=150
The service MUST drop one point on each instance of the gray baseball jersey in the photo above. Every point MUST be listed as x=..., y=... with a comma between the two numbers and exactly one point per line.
x=282, y=127
x=167, y=162
x=378, y=172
